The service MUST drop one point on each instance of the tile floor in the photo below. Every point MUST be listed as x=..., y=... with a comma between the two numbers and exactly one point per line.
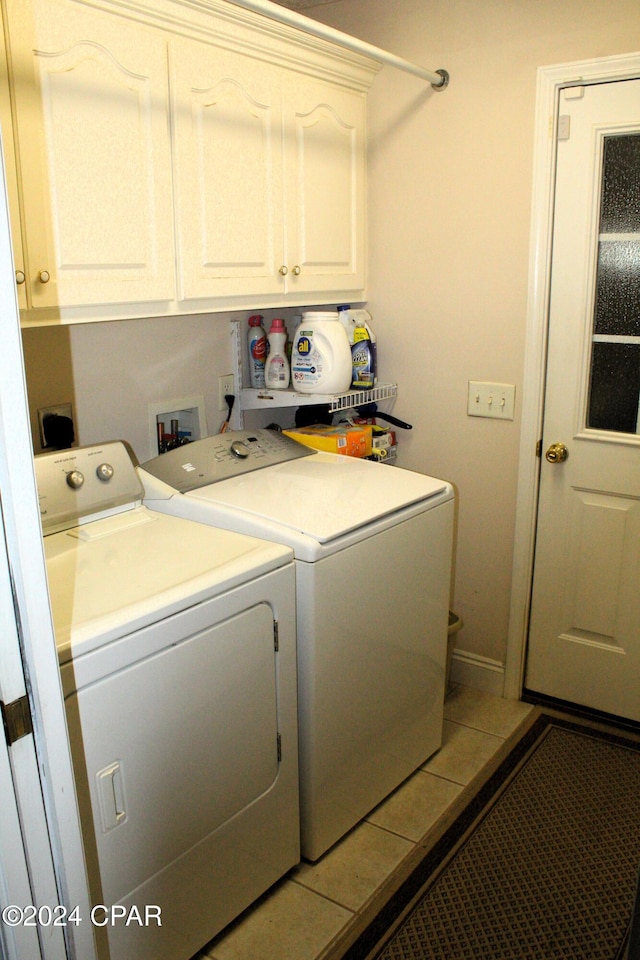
x=305, y=912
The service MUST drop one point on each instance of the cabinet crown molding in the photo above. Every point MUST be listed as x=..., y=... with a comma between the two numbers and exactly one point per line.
x=232, y=27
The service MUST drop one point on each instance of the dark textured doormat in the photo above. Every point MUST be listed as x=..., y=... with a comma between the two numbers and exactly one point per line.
x=541, y=864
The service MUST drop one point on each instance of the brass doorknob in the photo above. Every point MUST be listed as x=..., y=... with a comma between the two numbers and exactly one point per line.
x=556, y=453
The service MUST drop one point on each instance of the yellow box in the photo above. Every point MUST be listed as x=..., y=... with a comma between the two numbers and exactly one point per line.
x=350, y=441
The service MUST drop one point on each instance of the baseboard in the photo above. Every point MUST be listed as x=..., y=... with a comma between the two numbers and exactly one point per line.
x=481, y=673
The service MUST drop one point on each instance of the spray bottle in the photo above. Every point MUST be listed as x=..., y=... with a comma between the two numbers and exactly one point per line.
x=364, y=355
x=347, y=319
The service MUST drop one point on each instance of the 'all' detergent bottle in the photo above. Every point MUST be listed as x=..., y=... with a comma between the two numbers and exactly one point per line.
x=321, y=358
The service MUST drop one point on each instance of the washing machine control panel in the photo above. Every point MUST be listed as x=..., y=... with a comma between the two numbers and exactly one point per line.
x=81, y=482
x=223, y=456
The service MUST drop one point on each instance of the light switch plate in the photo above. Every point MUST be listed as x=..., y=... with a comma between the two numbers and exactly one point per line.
x=495, y=400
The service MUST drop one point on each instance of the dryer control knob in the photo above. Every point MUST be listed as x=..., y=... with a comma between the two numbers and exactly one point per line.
x=104, y=472
x=75, y=479
x=239, y=450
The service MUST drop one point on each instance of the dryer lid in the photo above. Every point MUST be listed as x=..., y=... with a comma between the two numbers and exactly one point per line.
x=116, y=574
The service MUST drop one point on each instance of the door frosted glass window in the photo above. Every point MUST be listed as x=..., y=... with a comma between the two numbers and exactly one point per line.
x=614, y=392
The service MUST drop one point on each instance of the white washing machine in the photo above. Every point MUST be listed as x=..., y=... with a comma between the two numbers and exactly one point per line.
x=177, y=656
x=373, y=548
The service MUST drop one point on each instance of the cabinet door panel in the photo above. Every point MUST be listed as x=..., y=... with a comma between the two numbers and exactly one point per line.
x=6, y=123
x=325, y=179
x=91, y=98
x=228, y=170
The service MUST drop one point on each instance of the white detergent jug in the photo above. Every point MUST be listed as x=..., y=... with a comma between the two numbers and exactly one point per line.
x=276, y=369
x=321, y=355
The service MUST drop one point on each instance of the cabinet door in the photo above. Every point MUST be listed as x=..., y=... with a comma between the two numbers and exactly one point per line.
x=228, y=172
x=325, y=187
x=93, y=154
x=6, y=122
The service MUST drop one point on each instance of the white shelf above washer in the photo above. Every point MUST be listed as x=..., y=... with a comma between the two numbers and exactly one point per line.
x=250, y=398
x=263, y=399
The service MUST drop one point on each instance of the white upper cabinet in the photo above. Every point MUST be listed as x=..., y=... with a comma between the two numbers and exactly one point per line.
x=228, y=172
x=324, y=188
x=93, y=156
x=270, y=175
x=11, y=179
x=182, y=158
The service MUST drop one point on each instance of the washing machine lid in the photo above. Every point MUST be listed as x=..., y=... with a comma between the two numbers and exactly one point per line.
x=119, y=573
x=323, y=496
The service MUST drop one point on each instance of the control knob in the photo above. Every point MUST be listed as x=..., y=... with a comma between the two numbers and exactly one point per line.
x=104, y=472
x=75, y=479
x=239, y=450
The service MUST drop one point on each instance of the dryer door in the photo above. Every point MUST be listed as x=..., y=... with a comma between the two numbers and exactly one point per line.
x=173, y=746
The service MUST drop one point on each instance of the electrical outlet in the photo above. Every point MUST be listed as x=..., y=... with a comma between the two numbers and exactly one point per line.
x=491, y=400
x=225, y=386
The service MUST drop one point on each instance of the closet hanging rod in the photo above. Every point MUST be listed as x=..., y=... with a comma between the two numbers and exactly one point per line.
x=437, y=78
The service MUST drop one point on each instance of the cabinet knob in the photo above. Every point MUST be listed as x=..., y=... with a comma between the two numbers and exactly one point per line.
x=283, y=271
x=296, y=271
x=44, y=276
x=20, y=277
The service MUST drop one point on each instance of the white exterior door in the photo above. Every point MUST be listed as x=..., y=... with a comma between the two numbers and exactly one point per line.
x=584, y=636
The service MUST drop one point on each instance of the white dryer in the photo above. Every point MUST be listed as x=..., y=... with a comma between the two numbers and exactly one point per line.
x=373, y=548
x=177, y=655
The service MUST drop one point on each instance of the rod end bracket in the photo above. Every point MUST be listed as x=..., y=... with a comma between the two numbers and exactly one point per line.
x=444, y=82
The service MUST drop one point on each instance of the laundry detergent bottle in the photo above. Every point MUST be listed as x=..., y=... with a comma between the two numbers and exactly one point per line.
x=257, y=343
x=321, y=355
x=364, y=356
x=277, y=372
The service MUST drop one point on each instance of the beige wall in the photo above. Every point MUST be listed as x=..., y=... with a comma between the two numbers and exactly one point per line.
x=151, y=360
x=450, y=180
x=49, y=371
x=112, y=372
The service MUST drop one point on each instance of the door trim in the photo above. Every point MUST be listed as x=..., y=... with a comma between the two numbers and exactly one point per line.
x=41, y=765
x=550, y=81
